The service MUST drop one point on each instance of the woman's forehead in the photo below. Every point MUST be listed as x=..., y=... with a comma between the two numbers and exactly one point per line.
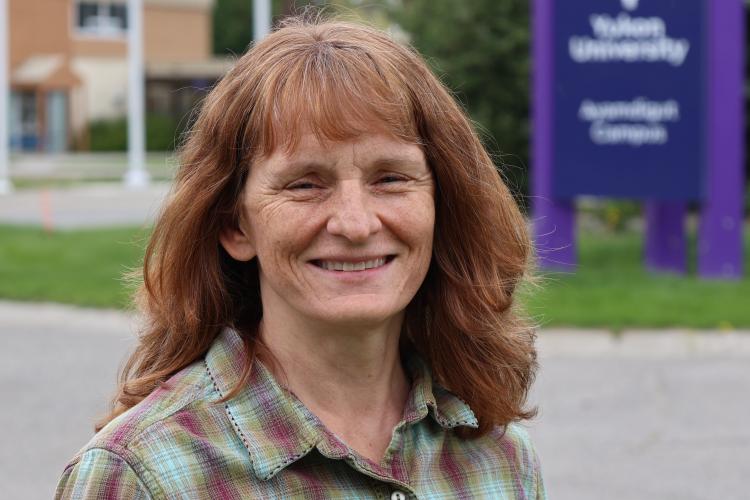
x=374, y=147
x=335, y=112
x=308, y=136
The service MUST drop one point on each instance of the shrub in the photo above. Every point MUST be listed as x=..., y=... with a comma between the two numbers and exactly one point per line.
x=162, y=132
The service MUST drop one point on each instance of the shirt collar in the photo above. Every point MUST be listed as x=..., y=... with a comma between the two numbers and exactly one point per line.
x=427, y=397
x=277, y=429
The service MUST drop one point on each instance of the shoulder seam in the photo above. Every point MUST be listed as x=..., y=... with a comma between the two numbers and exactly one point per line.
x=188, y=399
x=137, y=432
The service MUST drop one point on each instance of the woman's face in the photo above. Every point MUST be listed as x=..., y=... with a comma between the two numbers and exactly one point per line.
x=342, y=230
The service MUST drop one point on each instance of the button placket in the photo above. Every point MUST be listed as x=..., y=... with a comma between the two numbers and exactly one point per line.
x=381, y=490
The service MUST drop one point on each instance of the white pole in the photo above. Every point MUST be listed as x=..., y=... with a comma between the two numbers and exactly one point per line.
x=5, y=184
x=261, y=19
x=137, y=176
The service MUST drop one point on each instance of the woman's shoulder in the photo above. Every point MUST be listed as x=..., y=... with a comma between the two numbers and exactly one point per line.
x=190, y=390
x=517, y=450
x=515, y=440
x=159, y=429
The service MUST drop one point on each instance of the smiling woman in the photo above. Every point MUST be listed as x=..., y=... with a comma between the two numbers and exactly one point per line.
x=315, y=226
x=328, y=295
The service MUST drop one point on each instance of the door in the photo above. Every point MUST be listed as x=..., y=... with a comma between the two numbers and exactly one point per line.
x=57, y=121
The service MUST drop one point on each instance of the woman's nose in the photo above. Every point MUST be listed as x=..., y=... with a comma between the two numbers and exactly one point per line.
x=352, y=215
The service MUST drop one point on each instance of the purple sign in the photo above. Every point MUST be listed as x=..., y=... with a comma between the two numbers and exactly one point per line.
x=630, y=94
x=640, y=99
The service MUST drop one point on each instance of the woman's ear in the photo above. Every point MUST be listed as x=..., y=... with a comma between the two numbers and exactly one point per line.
x=237, y=243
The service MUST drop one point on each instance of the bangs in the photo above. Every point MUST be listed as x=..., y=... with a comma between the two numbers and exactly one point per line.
x=336, y=92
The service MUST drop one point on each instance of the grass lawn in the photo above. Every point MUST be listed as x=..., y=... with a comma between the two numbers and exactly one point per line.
x=82, y=267
x=610, y=289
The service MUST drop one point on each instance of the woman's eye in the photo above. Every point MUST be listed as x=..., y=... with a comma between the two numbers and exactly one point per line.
x=303, y=186
x=390, y=179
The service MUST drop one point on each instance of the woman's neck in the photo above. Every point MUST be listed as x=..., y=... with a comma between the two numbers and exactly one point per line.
x=351, y=378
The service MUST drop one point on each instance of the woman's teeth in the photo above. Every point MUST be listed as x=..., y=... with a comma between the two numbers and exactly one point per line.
x=351, y=266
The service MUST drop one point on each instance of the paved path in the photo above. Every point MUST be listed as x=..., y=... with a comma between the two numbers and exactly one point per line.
x=645, y=415
x=641, y=415
x=83, y=205
x=78, y=166
x=57, y=370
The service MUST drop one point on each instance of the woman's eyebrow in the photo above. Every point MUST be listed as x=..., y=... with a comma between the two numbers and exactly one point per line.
x=396, y=161
x=300, y=166
x=303, y=165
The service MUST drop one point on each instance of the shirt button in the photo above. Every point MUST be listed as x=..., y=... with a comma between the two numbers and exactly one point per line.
x=398, y=495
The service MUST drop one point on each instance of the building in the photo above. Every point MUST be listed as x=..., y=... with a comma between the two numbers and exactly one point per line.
x=68, y=65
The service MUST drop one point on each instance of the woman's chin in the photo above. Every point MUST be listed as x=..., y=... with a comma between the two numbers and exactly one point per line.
x=358, y=313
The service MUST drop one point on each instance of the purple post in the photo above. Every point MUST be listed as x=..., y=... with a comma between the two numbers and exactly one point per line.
x=665, y=236
x=553, y=220
x=720, y=233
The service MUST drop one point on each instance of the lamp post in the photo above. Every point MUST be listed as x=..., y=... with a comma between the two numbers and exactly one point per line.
x=261, y=19
x=5, y=184
x=136, y=176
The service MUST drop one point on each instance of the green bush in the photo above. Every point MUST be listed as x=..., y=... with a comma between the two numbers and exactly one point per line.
x=162, y=132
x=617, y=213
x=108, y=135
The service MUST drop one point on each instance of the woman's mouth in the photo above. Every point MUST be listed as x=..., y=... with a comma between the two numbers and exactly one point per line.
x=353, y=266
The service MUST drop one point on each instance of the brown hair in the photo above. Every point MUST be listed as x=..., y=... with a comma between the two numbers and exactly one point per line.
x=341, y=78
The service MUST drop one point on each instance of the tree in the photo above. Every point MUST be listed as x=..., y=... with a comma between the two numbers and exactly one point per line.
x=480, y=48
x=232, y=26
x=233, y=23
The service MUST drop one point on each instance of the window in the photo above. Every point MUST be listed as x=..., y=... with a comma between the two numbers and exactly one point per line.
x=101, y=18
x=23, y=121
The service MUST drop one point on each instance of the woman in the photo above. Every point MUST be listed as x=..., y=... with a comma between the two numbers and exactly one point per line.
x=329, y=294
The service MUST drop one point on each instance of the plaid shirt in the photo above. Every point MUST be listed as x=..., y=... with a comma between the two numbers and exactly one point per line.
x=264, y=443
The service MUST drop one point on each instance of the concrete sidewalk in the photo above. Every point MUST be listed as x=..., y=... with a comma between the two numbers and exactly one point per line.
x=644, y=414
x=83, y=205
x=85, y=165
